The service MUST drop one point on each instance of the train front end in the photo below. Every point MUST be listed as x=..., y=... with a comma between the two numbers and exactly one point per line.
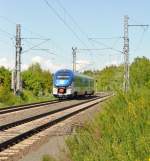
x=62, y=83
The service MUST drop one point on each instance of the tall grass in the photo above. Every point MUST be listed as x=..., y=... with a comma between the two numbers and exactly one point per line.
x=48, y=158
x=119, y=133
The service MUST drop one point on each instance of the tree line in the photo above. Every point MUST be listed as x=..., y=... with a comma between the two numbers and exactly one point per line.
x=111, y=78
x=35, y=82
x=38, y=82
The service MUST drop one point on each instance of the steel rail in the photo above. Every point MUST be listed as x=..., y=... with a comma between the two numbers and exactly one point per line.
x=10, y=109
x=22, y=121
x=18, y=138
x=27, y=106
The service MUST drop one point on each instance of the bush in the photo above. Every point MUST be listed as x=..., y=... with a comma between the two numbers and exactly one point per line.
x=6, y=96
x=37, y=80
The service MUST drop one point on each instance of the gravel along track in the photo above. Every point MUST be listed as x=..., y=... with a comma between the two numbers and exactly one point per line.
x=26, y=106
x=31, y=112
x=36, y=104
x=25, y=120
x=16, y=134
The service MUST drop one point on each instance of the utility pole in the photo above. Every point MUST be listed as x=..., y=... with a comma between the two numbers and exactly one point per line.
x=126, y=52
x=74, y=53
x=16, y=76
x=126, y=55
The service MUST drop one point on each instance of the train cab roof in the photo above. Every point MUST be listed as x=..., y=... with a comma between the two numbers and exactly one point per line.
x=72, y=74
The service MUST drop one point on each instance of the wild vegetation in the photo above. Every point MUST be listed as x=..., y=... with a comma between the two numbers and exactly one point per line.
x=37, y=85
x=120, y=132
x=37, y=80
x=107, y=79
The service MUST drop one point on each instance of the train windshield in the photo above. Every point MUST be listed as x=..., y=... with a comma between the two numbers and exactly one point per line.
x=62, y=77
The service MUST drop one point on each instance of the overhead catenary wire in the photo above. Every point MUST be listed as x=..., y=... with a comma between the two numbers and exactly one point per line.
x=40, y=37
x=107, y=46
x=77, y=25
x=35, y=36
x=107, y=37
x=144, y=27
x=75, y=22
x=8, y=33
x=32, y=46
x=94, y=49
x=72, y=19
x=46, y=50
x=140, y=41
x=11, y=36
x=64, y=22
x=37, y=45
x=68, y=26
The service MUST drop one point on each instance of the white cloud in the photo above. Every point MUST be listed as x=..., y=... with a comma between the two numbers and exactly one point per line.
x=83, y=65
x=6, y=63
x=24, y=66
x=37, y=59
x=113, y=61
x=47, y=63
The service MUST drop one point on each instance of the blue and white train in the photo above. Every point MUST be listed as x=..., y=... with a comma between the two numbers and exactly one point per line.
x=67, y=84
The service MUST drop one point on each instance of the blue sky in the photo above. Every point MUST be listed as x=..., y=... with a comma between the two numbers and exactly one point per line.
x=95, y=19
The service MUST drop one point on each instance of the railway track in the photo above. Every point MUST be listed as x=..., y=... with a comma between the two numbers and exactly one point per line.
x=30, y=105
x=22, y=121
x=27, y=106
x=16, y=132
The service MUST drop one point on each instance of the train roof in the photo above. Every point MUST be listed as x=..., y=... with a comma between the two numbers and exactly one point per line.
x=73, y=73
x=82, y=75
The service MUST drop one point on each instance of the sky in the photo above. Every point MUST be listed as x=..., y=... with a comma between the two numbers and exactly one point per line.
x=85, y=24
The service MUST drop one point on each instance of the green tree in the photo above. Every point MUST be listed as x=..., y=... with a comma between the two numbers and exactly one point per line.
x=140, y=72
x=5, y=77
x=37, y=80
x=109, y=78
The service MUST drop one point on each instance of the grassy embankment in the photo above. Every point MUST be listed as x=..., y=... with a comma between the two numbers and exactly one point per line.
x=7, y=98
x=119, y=133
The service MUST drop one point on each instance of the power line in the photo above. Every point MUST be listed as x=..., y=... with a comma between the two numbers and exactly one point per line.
x=37, y=45
x=119, y=37
x=30, y=45
x=64, y=22
x=107, y=46
x=93, y=49
x=27, y=29
x=35, y=38
x=72, y=18
x=8, y=20
x=46, y=50
x=8, y=33
x=67, y=25
x=40, y=37
x=140, y=41
x=76, y=24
